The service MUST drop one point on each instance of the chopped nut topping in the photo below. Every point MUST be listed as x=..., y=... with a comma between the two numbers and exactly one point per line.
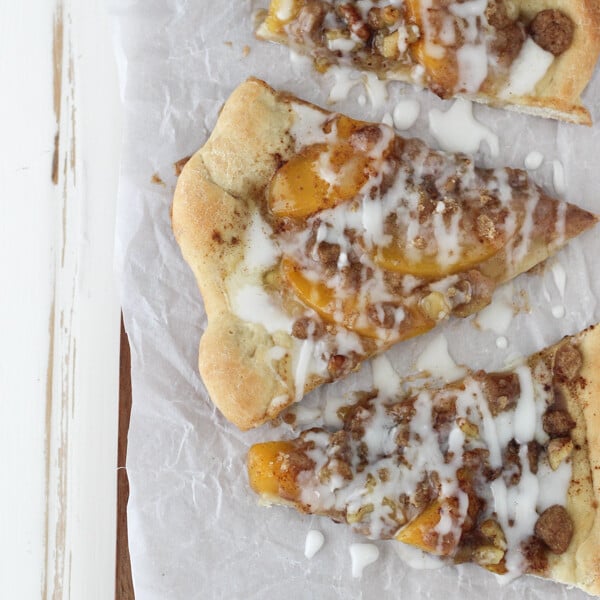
x=357, y=26
x=492, y=530
x=488, y=555
x=469, y=429
x=434, y=305
x=559, y=449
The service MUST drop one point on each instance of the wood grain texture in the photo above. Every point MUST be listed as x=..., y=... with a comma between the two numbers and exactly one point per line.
x=123, y=579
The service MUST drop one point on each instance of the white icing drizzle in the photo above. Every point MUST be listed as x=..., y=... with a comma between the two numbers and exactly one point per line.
x=501, y=342
x=314, y=542
x=345, y=79
x=472, y=66
x=558, y=177
x=560, y=277
x=472, y=8
x=525, y=412
x=261, y=251
x=253, y=304
x=362, y=556
x=342, y=44
x=435, y=359
x=376, y=89
x=302, y=366
x=534, y=160
x=385, y=378
x=527, y=70
x=457, y=130
x=406, y=113
x=387, y=119
x=558, y=311
x=498, y=315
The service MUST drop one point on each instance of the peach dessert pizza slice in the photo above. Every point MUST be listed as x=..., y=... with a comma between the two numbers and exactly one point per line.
x=536, y=56
x=319, y=241
x=498, y=469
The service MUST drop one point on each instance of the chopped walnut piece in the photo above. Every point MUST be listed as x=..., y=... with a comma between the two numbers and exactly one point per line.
x=559, y=449
x=469, y=429
x=309, y=20
x=357, y=26
x=567, y=362
x=488, y=555
x=552, y=30
x=385, y=16
x=492, y=530
x=555, y=528
x=557, y=423
x=434, y=305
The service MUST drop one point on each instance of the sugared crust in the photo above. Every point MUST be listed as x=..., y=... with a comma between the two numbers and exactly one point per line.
x=210, y=215
x=580, y=565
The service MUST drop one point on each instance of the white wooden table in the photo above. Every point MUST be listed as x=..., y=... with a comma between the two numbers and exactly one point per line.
x=59, y=322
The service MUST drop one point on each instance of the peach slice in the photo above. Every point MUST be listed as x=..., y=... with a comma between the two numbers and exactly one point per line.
x=321, y=176
x=282, y=12
x=394, y=257
x=441, y=65
x=421, y=531
x=346, y=311
x=270, y=472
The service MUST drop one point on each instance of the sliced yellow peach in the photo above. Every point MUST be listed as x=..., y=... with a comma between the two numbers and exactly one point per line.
x=347, y=311
x=324, y=301
x=282, y=12
x=441, y=68
x=296, y=189
x=322, y=175
x=440, y=64
x=269, y=470
x=395, y=258
x=421, y=531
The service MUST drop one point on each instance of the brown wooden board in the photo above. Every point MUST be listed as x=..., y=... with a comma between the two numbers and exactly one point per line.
x=124, y=582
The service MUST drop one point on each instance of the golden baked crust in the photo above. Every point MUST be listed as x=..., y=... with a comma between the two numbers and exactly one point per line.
x=556, y=95
x=296, y=472
x=251, y=370
x=580, y=564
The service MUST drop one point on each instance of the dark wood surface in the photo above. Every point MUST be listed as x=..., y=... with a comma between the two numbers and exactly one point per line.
x=124, y=582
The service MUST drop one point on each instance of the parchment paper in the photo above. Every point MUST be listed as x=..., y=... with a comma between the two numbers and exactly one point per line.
x=195, y=529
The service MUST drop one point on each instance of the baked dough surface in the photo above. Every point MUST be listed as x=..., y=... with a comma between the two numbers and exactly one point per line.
x=580, y=564
x=220, y=193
